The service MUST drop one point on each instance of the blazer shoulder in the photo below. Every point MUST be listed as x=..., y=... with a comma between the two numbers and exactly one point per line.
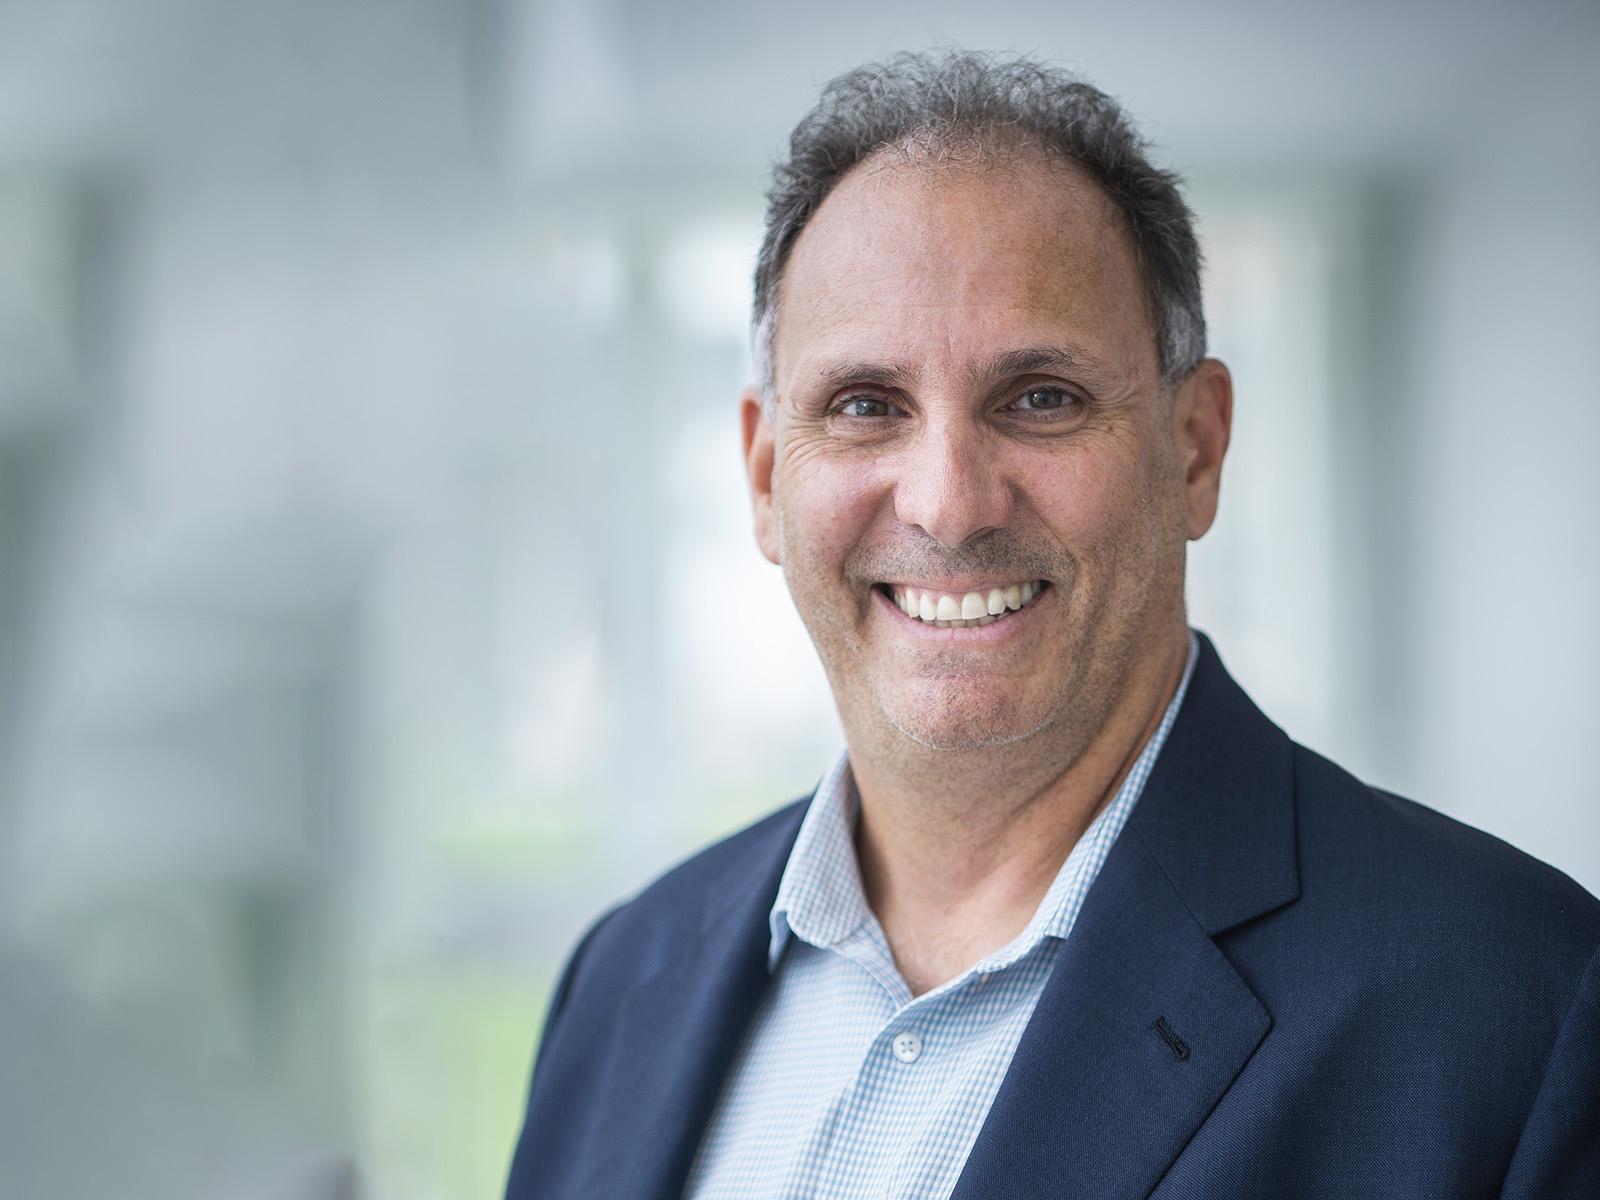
x=739, y=852
x=1381, y=850
x=646, y=930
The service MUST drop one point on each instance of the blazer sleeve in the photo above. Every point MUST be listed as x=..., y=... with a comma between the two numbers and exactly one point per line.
x=558, y=999
x=522, y=1179
x=1558, y=1154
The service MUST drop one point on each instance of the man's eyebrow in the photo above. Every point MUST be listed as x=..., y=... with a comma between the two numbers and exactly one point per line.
x=1033, y=358
x=1004, y=365
x=873, y=374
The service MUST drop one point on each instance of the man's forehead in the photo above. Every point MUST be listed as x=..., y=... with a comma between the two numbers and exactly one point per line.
x=955, y=218
x=965, y=266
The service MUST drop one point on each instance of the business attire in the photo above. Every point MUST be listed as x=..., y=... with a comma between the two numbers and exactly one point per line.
x=1281, y=984
x=847, y=1086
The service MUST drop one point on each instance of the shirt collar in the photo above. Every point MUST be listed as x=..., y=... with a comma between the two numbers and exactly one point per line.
x=820, y=898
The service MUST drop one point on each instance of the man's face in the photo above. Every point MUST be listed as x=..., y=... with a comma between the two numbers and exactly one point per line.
x=969, y=412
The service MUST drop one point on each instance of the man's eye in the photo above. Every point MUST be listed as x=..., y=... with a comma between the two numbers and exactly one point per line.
x=864, y=406
x=1044, y=399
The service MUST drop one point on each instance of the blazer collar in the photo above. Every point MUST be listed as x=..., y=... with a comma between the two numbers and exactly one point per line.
x=1144, y=1023
x=678, y=1031
x=1218, y=812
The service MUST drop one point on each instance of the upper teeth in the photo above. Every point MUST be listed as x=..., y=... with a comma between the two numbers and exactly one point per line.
x=968, y=608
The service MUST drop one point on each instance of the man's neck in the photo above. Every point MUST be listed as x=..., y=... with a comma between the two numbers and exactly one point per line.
x=957, y=849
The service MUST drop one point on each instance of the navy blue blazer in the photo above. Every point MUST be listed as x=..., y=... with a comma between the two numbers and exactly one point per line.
x=1283, y=985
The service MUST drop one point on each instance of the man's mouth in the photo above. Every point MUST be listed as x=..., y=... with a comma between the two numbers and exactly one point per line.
x=959, y=610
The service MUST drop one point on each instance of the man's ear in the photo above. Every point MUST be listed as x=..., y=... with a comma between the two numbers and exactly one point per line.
x=760, y=448
x=1203, y=421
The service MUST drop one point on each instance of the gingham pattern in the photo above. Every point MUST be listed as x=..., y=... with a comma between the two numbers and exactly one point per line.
x=818, y=1105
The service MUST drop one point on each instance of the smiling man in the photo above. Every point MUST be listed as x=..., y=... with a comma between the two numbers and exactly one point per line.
x=1069, y=917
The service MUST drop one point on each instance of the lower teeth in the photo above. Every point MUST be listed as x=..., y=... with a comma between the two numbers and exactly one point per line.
x=967, y=624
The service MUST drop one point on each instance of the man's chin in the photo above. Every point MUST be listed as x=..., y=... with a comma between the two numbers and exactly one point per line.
x=955, y=740
x=959, y=722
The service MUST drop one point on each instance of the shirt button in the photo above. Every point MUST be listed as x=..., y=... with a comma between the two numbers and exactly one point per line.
x=907, y=1047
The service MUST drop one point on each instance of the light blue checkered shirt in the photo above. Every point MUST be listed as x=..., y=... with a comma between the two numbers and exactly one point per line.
x=848, y=1087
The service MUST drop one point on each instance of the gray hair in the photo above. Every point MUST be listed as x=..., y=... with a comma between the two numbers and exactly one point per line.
x=920, y=102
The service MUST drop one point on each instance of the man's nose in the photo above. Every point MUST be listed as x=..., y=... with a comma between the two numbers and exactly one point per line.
x=952, y=484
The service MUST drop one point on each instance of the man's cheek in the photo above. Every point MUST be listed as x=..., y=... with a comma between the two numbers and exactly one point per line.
x=1082, y=501
x=827, y=504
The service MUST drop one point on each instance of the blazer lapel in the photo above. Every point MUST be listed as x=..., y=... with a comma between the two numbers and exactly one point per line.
x=679, y=1031
x=1144, y=1023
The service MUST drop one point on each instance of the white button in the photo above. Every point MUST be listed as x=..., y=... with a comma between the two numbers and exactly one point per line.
x=907, y=1047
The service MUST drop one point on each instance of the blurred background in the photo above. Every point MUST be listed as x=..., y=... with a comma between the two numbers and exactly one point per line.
x=377, y=598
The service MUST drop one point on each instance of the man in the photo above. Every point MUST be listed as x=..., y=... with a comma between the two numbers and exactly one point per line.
x=1070, y=917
